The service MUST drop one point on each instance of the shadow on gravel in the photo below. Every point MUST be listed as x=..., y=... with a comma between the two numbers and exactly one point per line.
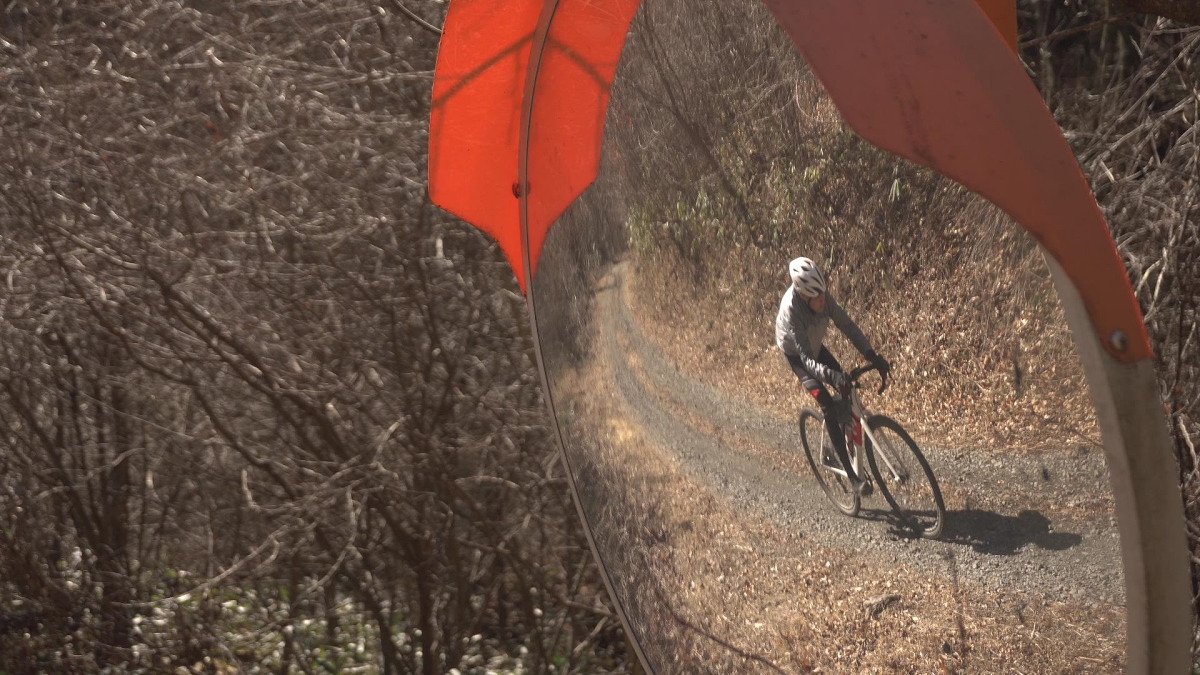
x=987, y=532
x=995, y=534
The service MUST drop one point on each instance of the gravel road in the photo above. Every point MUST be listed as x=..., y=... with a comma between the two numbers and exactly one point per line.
x=1037, y=522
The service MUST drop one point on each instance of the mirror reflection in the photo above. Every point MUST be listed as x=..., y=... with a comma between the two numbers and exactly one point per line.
x=702, y=311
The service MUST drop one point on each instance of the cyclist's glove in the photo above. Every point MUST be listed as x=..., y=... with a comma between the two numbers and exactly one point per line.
x=884, y=368
x=838, y=380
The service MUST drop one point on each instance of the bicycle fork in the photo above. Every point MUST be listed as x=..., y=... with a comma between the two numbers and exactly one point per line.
x=889, y=466
x=852, y=432
x=854, y=440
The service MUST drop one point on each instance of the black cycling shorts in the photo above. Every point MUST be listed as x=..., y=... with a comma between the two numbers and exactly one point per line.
x=811, y=382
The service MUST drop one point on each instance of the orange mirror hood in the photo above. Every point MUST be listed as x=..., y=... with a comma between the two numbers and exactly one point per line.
x=522, y=86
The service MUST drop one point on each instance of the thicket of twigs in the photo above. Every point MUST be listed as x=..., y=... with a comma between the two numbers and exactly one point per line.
x=262, y=407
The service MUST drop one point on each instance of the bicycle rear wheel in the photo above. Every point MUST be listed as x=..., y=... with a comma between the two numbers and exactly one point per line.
x=905, y=478
x=824, y=462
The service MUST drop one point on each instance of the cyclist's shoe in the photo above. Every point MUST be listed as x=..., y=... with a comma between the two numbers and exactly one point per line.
x=862, y=487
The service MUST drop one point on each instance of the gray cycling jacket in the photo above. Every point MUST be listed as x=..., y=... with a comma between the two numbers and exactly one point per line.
x=799, y=331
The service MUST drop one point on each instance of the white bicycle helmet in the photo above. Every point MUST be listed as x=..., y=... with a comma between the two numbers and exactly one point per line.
x=807, y=277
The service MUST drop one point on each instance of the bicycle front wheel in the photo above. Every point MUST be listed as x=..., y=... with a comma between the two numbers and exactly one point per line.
x=905, y=478
x=831, y=476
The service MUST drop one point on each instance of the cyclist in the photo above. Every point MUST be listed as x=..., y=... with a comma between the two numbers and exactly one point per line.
x=804, y=315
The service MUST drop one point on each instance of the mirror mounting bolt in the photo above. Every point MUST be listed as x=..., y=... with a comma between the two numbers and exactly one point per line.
x=1119, y=341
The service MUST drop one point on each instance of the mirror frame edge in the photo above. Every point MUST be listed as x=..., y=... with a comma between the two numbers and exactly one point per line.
x=537, y=50
x=1150, y=514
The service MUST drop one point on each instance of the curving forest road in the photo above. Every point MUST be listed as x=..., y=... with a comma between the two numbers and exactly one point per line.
x=1036, y=522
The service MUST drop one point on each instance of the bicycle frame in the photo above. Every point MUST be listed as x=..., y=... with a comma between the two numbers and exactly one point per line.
x=853, y=434
x=855, y=447
x=918, y=505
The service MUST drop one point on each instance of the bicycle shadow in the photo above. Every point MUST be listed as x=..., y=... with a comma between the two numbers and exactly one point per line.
x=996, y=534
x=990, y=532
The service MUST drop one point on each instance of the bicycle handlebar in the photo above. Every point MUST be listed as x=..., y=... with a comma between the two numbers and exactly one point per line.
x=858, y=372
x=854, y=375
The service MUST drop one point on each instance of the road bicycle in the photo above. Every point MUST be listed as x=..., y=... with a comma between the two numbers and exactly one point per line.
x=896, y=463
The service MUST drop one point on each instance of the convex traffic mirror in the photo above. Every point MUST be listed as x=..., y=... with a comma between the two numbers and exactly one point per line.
x=1020, y=511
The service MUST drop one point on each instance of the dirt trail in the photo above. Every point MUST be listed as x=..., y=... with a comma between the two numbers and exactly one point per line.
x=1039, y=523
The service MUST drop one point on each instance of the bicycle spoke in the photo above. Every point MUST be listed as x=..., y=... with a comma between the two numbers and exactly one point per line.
x=886, y=451
x=830, y=474
x=905, y=479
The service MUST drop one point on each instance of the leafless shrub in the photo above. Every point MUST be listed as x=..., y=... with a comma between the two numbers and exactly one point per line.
x=241, y=346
